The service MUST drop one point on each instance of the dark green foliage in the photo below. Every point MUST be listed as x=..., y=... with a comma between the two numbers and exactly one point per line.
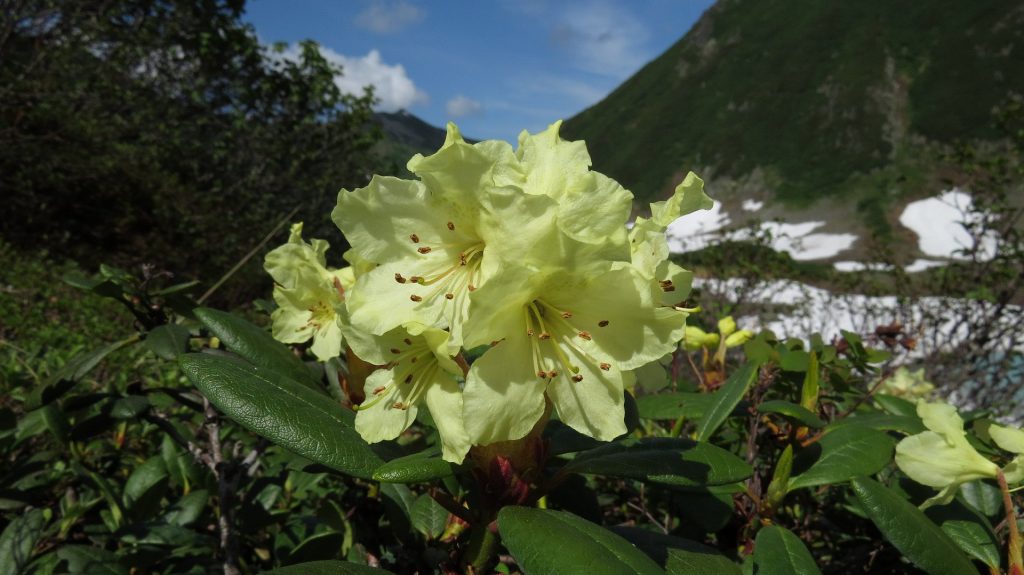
x=163, y=132
x=814, y=93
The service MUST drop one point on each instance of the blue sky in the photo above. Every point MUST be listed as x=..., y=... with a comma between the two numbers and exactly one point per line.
x=494, y=67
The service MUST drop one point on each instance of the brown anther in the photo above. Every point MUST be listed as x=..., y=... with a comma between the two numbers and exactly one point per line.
x=462, y=259
x=400, y=279
x=566, y=314
x=544, y=335
x=495, y=342
x=602, y=323
x=379, y=390
x=415, y=239
x=413, y=359
x=407, y=341
x=577, y=378
x=395, y=350
x=415, y=279
x=408, y=378
x=529, y=332
x=415, y=297
x=584, y=335
x=666, y=285
x=552, y=374
x=449, y=296
x=606, y=366
x=471, y=287
x=398, y=405
x=424, y=250
x=542, y=374
x=451, y=226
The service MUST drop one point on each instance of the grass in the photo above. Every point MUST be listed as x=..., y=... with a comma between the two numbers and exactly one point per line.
x=45, y=321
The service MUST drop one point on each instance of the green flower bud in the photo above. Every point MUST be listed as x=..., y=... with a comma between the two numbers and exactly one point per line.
x=726, y=326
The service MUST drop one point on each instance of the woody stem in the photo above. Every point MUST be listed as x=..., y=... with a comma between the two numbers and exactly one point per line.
x=1016, y=564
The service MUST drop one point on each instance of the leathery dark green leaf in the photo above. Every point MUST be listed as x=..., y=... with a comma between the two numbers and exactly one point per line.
x=254, y=344
x=905, y=526
x=726, y=399
x=415, y=468
x=679, y=556
x=777, y=551
x=547, y=542
x=284, y=411
x=842, y=454
x=663, y=460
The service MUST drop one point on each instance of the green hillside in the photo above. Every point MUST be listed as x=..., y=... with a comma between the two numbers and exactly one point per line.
x=816, y=98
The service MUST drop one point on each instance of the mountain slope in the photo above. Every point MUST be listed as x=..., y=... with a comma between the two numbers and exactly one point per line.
x=803, y=99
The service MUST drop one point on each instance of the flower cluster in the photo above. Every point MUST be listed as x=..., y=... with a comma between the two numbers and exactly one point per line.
x=522, y=256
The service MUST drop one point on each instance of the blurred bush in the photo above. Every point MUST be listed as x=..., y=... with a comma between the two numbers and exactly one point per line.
x=166, y=129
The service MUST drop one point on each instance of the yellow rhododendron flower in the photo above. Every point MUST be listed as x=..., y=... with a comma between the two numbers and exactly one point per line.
x=310, y=297
x=941, y=457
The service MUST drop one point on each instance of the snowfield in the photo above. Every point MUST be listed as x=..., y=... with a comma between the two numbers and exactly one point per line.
x=936, y=222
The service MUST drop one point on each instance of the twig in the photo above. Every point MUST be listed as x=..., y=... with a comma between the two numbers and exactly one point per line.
x=197, y=452
x=225, y=492
x=451, y=505
x=247, y=257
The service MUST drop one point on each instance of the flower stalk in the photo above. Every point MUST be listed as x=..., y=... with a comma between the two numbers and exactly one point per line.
x=1014, y=559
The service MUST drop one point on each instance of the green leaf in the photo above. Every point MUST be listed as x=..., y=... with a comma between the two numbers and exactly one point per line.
x=145, y=487
x=327, y=568
x=168, y=341
x=86, y=560
x=56, y=421
x=793, y=360
x=779, y=486
x=188, y=509
x=398, y=500
x=326, y=545
x=155, y=533
x=416, y=468
x=564, y=439
x=810, y=390
x=428, y=517
x=19, y=539
x=674, y=405
x=842, y=454
x=254, y=344
x=284, y=411
x=679, y=556
x=129, y=407
x=72, y=372
x=777, y=551
x=663, y=460
x=907, y=424
x=708, y=509
x=726, y=399
x=547, y=542
x=984, y=497
x=792, y=411
x=895, y=405
x=971, y=531
x=919, y=539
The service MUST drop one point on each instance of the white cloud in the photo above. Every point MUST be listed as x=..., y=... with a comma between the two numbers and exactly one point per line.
x=578, y=93
x=388, y=16
x=603, y=38
x=461, y=106
x=392, y=86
